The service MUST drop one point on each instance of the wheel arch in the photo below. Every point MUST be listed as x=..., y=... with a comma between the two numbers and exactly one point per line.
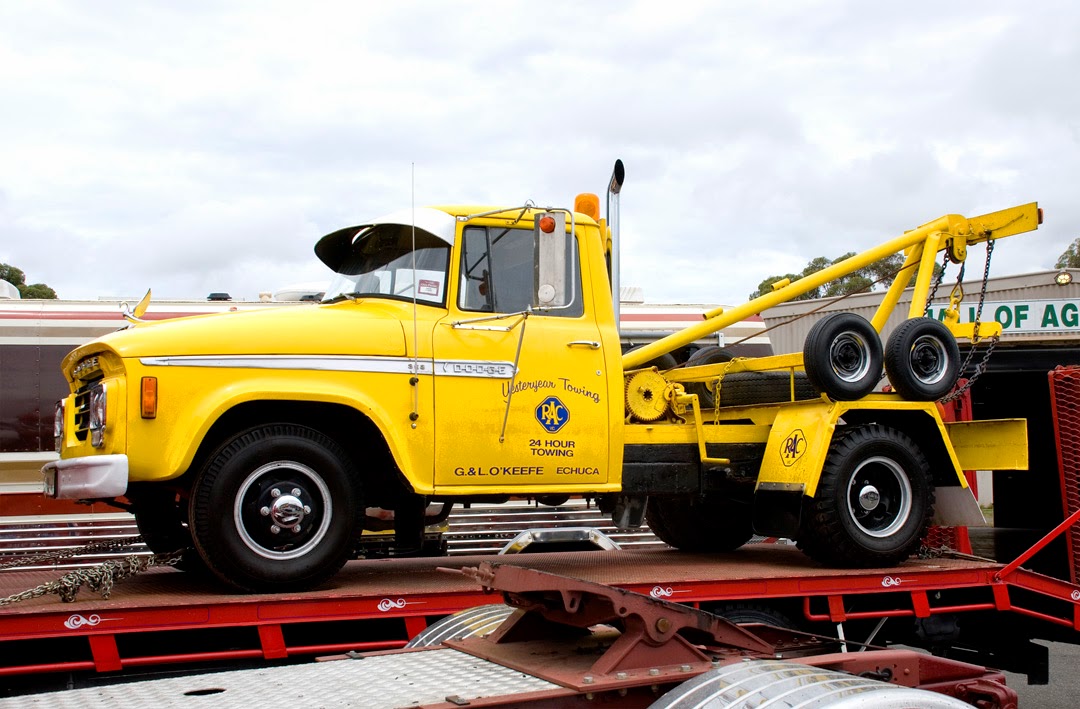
x=356, y=432
x=928, y=433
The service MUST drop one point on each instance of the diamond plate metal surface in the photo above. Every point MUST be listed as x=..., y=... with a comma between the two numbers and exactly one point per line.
x=381, y=682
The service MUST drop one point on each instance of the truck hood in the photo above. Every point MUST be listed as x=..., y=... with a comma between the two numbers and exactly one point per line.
x=348, y=328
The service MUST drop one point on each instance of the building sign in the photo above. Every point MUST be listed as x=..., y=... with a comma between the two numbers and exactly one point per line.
x=1030, y=317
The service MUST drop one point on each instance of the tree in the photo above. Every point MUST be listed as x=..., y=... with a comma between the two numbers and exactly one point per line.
x=879, y=272
x=1070, y=257
x=17, y=278
x=37, y=290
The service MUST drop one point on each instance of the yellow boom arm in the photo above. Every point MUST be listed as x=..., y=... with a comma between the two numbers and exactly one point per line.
x=952, y=232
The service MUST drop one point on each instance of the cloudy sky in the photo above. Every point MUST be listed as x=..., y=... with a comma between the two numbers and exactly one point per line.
x=204, y=146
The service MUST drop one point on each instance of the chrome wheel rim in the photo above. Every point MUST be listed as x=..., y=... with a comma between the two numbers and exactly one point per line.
x=282, y=510
x=849, y=357
x=929, y=360
x=879, y=498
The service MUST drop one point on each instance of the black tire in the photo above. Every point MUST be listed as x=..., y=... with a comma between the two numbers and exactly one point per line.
x=317, y=509
x=700, y=524
x=750, y=388
x=664, y=362
x=739, y=613
x=161, y=516
x=842, y=356
x=873, y=503
x=705, y=390
x=922, y=360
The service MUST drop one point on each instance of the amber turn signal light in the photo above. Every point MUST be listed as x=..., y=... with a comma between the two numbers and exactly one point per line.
x=149, y=397
x=547, y=224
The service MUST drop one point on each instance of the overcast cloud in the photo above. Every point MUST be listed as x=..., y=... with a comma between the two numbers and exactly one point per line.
x=203, y=146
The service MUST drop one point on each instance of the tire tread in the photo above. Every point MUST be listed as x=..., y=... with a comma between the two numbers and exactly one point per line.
x=823, y=536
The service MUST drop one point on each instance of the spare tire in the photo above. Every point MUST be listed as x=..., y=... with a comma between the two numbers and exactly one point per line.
x=751, y=388
x=662, y=362
x=843, y=357
x=922, y=360
x=705, y=390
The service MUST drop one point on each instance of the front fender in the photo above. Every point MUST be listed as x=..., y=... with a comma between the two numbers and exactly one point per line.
x=191, y=400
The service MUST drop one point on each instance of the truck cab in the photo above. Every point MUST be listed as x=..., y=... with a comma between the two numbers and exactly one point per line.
x=459, y=352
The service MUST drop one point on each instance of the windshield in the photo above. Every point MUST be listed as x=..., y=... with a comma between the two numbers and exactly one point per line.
x=381, y=264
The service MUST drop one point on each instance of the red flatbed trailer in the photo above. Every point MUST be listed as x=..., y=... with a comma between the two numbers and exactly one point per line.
x=166, y=617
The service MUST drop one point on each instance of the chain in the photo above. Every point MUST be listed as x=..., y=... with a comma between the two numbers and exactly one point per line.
x=981, y=366
x=100, y=578
x=92, y=547
x=937, y=281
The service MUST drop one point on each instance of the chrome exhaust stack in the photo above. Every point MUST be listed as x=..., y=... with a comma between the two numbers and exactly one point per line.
x=614, y=187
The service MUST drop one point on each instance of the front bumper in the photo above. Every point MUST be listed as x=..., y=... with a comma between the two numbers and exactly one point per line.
x=92, y=477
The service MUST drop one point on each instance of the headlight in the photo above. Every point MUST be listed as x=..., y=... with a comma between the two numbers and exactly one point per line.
x=58, y=425
x=98, y=407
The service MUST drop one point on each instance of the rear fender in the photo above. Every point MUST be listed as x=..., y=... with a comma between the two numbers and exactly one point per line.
x=801, y=434
x=797, y=446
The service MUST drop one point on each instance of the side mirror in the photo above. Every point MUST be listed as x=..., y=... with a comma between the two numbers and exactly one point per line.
x=552, y=285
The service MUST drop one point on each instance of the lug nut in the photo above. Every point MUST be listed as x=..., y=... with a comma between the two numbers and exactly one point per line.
x=274, y=529
x=295, y=492
x=297, y=529
x=307, y=509
x=265, y=511
x=275, y=493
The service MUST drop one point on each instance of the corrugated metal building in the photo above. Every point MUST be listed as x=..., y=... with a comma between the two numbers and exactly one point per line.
x=1033, y=307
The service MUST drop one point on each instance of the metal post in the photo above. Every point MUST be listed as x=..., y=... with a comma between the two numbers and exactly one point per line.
x=614, y=187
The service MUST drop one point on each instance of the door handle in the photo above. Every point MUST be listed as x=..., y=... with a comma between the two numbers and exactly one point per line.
x=591, y=344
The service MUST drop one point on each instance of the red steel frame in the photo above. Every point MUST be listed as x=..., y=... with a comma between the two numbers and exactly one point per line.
x=415, y=592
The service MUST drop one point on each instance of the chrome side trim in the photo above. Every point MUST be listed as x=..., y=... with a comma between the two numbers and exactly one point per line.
x=343, y=363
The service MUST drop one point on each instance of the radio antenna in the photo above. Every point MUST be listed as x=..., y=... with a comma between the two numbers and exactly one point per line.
x=414, y=380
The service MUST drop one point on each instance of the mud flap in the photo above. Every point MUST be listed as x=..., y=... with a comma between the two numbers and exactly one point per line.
x=957, y=507
x=778, y=509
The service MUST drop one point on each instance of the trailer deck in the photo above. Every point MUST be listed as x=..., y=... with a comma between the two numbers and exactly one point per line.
x=164, y=616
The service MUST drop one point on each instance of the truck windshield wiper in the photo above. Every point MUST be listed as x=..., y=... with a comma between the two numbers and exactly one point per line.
x=342, y=296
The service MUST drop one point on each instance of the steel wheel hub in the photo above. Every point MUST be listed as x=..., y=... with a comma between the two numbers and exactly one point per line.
x=928, y=360
x=282, y=510
x=849, y=357
x=869, y=497
x=287, y=510
x=879, y=497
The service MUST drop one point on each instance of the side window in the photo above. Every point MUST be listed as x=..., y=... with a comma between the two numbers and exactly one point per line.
x=498, y=267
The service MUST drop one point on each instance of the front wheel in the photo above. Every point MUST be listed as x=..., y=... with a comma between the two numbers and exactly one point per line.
x=276, y=508
x=873, y=502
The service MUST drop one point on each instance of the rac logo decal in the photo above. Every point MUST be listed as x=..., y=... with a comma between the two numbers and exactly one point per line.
x=793, y=447
x=552, y=414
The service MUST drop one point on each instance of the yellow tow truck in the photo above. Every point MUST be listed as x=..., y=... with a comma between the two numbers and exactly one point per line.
x=470, y=353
